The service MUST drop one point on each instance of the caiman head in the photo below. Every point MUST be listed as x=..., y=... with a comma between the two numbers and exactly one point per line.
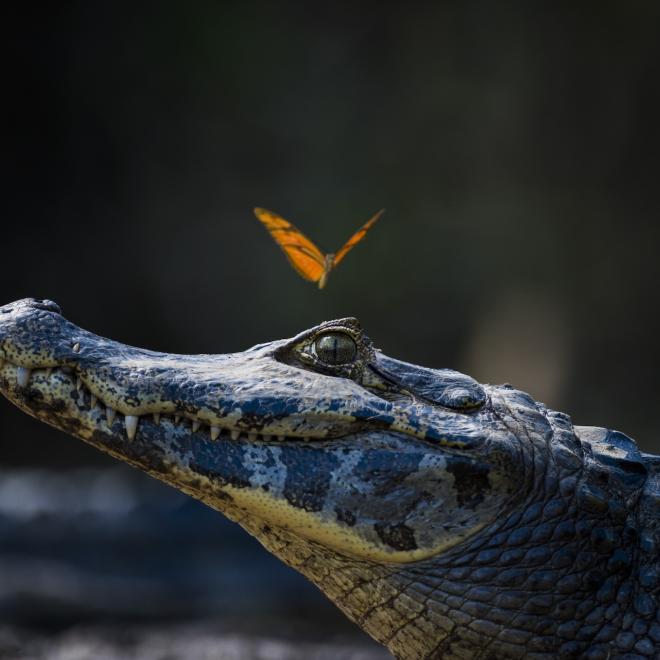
x=320, y=435
x=373, y=477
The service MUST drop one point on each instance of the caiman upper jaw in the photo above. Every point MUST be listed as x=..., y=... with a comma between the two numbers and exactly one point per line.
x=46, y=360
x=251, y=393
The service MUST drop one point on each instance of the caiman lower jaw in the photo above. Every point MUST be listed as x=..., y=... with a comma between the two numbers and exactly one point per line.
x=61, y=398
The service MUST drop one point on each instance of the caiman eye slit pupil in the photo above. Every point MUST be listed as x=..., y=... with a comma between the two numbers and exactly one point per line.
x=335, y=348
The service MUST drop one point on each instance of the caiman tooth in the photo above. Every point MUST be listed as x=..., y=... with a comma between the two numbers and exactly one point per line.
x=195, y=426
x=156, y=418
x=131, y=422
x=23, y=376
x=215, y=432
x=235, y=435
x=110, y=415
x=93, y=401
x=49, y=371
x=79, y=383
x=252, y=436
x=268, y=437
x=281, y=438
x=177, y=419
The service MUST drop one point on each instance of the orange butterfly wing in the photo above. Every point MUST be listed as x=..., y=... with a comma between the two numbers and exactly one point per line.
x=356, y=238
x=303, y=255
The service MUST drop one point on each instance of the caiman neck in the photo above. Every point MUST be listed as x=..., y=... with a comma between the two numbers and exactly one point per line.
x=550, y=575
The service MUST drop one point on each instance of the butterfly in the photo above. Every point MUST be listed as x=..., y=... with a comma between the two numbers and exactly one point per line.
x=308, y=261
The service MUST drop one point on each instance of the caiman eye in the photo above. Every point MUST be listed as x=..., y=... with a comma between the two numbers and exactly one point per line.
x=335, y=348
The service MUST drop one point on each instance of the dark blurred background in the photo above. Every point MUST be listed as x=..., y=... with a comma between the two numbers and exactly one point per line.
x=516, y=149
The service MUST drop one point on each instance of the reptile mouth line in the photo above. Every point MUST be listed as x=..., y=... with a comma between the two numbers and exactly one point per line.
x=35, y=383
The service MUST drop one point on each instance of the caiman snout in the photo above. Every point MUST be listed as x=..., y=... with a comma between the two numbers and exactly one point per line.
x=50, y=364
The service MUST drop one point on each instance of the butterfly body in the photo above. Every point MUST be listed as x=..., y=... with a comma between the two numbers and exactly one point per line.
x=328, y=265
x=303, y=255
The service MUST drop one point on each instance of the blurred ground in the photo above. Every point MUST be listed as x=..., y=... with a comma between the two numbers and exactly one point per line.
x=111, y=564
x=178, y=642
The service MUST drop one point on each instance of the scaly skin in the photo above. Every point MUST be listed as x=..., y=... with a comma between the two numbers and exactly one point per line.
x=446, y=518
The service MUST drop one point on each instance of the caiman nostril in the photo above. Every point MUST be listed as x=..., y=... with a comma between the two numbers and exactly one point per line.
x=48, y=305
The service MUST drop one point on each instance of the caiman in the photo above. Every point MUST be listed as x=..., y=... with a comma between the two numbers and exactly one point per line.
x=448, y=519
